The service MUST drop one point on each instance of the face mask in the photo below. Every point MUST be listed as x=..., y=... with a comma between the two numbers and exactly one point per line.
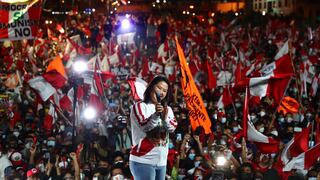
x=192, y=156
x=235, y=129
x=312, y=178
x=262, y=113
x=237, y=105
x=103, y=171
x=181, y=176
x=281, y=120
x=16, y=133
x=171, y=146
x=289, y=119
x=223, y=120
x=253, y=117
x=197, y=163
x=41, y=167
x=28, y=145
x=261, y=130
x=118, y=177
x=215, y=116
x=51, y=143
x=62, y=127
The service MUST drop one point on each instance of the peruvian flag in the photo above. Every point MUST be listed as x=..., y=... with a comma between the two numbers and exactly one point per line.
x=305, y=160
x=314, y=85
x=19, y=20
x=274, y=80
x=138, y=86
x=50, y=118
x=266, y=145
x=43, y=87
x=212, y=80
x=225, y=98
x=297, y=145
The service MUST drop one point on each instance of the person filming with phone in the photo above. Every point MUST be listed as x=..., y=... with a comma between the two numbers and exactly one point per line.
x=151, y=122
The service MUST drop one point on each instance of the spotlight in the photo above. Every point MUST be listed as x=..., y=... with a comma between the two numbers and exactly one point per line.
x=93, y=9
x=89, y=113
x=221, y=160
x=263, y=13
x=237, y=14
x=79, y=66
x=129, y=2
x=191, y=6
x=125, y=24
x=47, y=22
x=212, y=14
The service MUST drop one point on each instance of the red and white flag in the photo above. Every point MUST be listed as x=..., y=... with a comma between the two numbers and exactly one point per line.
x=265, y=144
x=138, y=86
x=50, y=118
x=43, y=87
x=305, y=160
x=297, y=145
x=19, y=20
x=225, y=98
x=314, y=85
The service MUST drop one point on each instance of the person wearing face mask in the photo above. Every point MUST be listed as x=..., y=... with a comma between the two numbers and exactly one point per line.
x=117, y=172
x=5, y=165
x=151, y=122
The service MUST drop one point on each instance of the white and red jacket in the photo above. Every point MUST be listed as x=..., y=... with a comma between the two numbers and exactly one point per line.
x=144, y=119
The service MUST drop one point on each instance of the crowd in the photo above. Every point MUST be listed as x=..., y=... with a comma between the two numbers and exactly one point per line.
x=100, y=150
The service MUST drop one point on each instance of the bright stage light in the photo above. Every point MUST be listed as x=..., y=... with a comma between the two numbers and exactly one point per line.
x=125, y=24
x=89, y=113
x=80, y=66
x=221, y=160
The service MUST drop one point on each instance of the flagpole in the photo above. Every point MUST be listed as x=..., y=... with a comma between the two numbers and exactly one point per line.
x=297, y=78
x=274, y=114
x=234, y=107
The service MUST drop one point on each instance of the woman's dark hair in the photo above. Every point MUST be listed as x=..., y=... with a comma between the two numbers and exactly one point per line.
x=151, y=85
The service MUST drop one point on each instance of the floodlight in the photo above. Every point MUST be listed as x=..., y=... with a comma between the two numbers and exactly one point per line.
x=89, y=113
x=125, y=24
x=80, y=66
x=221, y=160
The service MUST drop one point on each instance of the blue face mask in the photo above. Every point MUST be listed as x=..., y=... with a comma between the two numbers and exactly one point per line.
x=171, y=146
x=51, y=143
x=312, y=178
x=192, y=156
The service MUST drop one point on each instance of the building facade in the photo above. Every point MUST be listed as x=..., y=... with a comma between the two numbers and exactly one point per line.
x=281, y=7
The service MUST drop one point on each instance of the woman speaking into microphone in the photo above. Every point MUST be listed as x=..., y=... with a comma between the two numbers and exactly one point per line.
x=151, y=122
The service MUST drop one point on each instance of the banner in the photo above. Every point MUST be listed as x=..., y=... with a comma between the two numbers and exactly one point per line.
x=197, y=112
x=19, y=20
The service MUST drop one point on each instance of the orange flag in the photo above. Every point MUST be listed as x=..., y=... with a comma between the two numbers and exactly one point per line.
x=197, y=112
x=57, y=65
x=288, y=105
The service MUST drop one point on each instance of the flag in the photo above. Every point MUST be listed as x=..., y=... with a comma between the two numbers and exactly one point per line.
x=43, y=87
x=314, y=85
x=266, y=145
x=19, y=20
x=288, y=105
x=305, y=160
x=57, y=65
x=225, y=99
x=137, y=86
x=55, y=79
x=50, y=118
x=197, y=112
x=283, y=51
x=212, y=80
x=245, y=115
